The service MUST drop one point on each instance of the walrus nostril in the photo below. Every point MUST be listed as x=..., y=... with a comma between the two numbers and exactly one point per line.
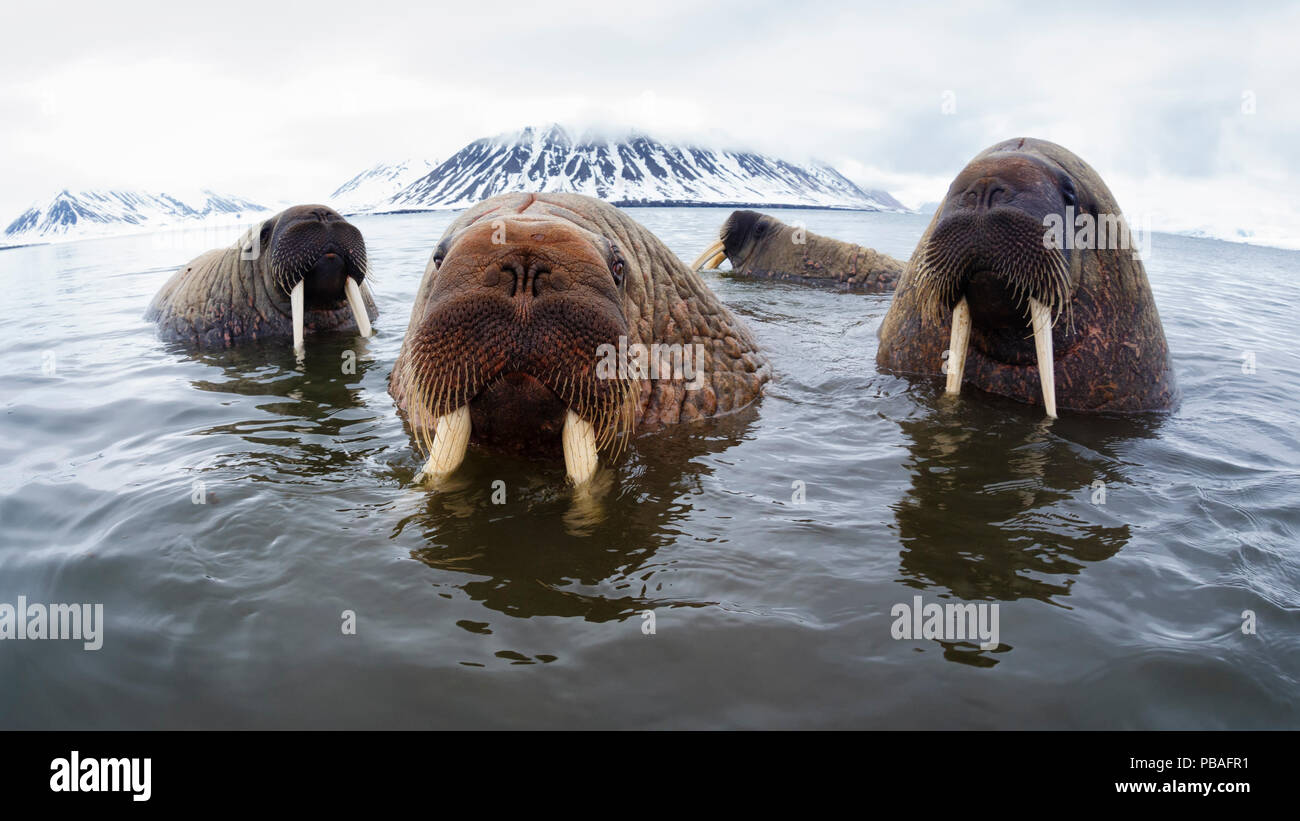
x=535, y=274
x=521, y=281
x=511, y=272
x=985, y=193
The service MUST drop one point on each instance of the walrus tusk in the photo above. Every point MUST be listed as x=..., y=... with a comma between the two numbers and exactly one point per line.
x=710, y=256
x=450, y=441
x=1041, y=316
x=296, y=300
x=579, y=440
x=358, y=306
x=958, y=344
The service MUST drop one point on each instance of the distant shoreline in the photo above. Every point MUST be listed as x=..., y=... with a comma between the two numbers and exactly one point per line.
x=622, y=204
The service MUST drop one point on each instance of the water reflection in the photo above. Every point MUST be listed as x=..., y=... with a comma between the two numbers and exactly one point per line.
x=302, y=410
x=1004, y=506
x=549, y=550
x=328, y=376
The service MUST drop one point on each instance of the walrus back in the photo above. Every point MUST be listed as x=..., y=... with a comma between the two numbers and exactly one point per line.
x=202, y=303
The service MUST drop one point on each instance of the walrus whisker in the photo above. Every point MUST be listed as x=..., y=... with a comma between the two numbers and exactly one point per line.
x=950, y=256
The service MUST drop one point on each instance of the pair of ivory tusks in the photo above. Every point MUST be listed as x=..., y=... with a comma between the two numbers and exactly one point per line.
x=355, y=302
x=451, y=440
x=1041, y=318
x=711, y=258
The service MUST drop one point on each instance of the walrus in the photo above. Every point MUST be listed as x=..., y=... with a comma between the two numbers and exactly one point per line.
x=302, y=269
x=553, y=323
x=1026, y=276
x=762, y=247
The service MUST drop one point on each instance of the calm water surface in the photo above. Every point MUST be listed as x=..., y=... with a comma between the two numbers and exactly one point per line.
x=767, y=612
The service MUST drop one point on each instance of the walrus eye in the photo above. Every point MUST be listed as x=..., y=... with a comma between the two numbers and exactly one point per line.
x=615, y=260
x=1067, y=192
x=264, y=237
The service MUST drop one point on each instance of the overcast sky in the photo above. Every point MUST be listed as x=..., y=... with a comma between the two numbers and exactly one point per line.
x=1188, y=110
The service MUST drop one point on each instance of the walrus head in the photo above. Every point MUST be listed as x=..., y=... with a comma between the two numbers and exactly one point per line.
x=988, y=244
x=761, y=246
x=507, y=344
x=742, y=234
x=1021, y=298
x=555, y=323
x=300, y=270
x=317, y=260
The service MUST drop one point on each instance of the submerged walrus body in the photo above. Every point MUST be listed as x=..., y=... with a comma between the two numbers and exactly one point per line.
x=301, y=270
x=554, y=323
x=762, y=247
x=1027, y=284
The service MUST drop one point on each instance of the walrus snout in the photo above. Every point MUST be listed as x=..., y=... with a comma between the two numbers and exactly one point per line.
x=507, y=352
x=326, y=280
x=1003, y=243
x=309, y=247
x=743, y=231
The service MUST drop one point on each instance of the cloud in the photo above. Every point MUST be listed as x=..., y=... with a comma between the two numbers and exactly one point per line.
x=284, y=102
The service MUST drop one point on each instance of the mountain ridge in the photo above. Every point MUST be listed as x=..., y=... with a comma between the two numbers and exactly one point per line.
x=105, y=212
x=376, y=184
x=634, y=170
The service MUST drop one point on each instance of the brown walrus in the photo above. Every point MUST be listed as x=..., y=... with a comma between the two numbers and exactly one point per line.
x=554, y=322
x=763, y=247
x=302, y=269
x=1027, y=283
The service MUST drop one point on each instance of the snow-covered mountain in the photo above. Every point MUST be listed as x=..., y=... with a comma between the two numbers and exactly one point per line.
x=376, y=185
x=82, y=214
x=634, y=170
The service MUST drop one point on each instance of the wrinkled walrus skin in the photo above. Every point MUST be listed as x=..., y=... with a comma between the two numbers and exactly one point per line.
x=241, y=293
x=518, y=301
x=988, y=247
x=762, y=247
